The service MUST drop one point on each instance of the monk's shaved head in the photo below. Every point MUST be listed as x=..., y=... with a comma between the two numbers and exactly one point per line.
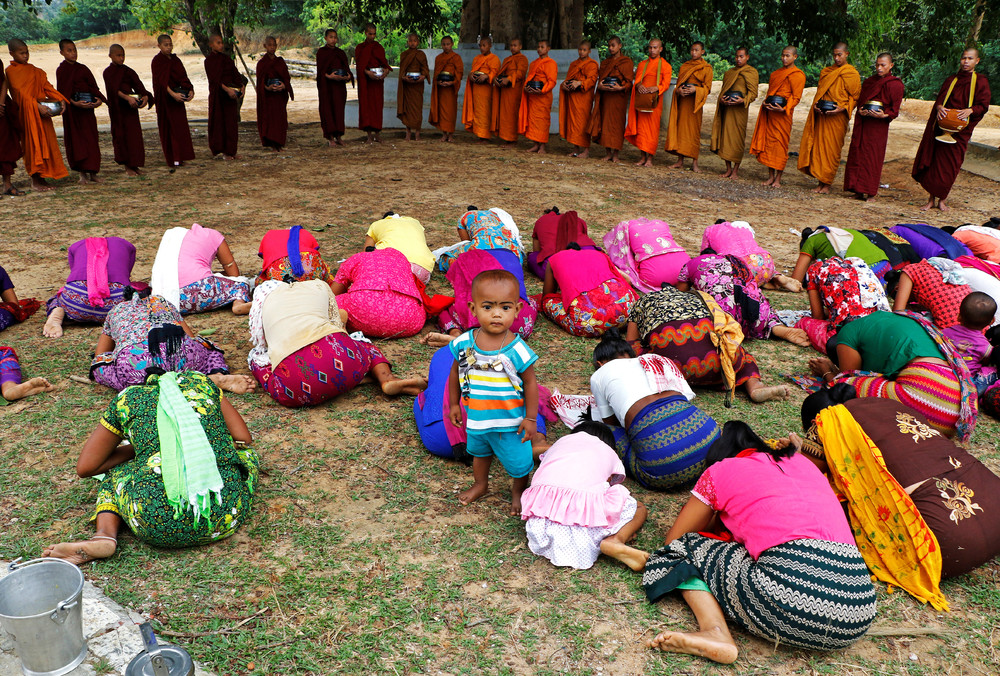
x=370, y=25
x=412, y=35
x=116, y=49
x=743, y=49
x=16, y=44
x=447, y=38
x=584, y=43
x=792, y=48
x=160, y=39
x=698, y=44
x=973, y=51
x=330, y=31
x=842, y=46
x=486, y=39
x=657, y=42
x=615, y=38
x=543, y=42
x=884, y=55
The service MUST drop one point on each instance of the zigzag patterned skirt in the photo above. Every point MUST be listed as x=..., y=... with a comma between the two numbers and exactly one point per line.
x=808, y=593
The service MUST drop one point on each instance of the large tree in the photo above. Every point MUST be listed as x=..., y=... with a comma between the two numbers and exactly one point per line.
x=558, y=21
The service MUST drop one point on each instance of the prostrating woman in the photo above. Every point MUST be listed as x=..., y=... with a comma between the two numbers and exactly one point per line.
x=584, y=293
x=983, y=240
x=826, y=242
x=660, y=436
x=377, y=290
x=739, y=239
x=645, y=250
x=294, y=253
x=302, y=355
x=839, y=290
x=99, y=270
x=483, y=229
x=552, y=232
x=182, y=272
x=928, y=241
x=936, y=284
x=12, y=309
x=186, y=478
x=406, y=235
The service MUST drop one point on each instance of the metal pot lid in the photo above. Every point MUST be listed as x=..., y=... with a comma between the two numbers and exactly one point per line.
x=175, y=659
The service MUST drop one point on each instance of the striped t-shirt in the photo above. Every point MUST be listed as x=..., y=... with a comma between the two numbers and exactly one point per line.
x=494, y=400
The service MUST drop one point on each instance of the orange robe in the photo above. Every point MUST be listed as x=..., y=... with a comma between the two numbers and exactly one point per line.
x=643, y=128
x=823, y=135
x=535, y=116
x=729, y=128
x=507, y=100
x=477, y=107
x=575, y=106
x=607, y=122
x=28, y=85
x=773, y=130
x=444, y=100
x=684, y=126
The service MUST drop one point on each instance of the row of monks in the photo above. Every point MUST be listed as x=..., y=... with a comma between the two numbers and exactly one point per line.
x=607, y=103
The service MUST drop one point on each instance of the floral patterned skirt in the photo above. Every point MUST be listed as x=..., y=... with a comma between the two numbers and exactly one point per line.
x=212, y=293
x=128, y=366
x=312, y=263
x=592, y=312
x=73, y=298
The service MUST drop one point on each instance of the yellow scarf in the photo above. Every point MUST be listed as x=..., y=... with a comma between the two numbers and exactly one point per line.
x=727, y=336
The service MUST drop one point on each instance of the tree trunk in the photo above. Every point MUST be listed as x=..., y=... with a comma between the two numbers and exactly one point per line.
x=471, y=19
x=559, y=21
x=978, y=12
x=204, y=24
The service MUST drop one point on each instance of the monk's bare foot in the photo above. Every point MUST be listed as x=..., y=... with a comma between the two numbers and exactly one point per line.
x=715, y=644
x=630, y=556
x=508, y=145
x=820, y=366
x=648, y=162
x=241, y=307
x=449, y=139
x=132, y=171
x=94, y=179
x=776, y=184
x=416, y=136
x=541, y=149
x=410, y=386
x=769, y=181
x=53, y=325
x=942, y=206
x=822, y=189
x=233, y=383
x=15, y=391
x=584, y=154
x=614, y=159
x=609, y=158
x=474, y=493
x=641, y=162
x=435, y=339
x=762, y=394
x=727, y=173
x=39, y=185
x=230, y=158
x=483, y=141
x=679, y=164
x=77, y=553
x=694, y=167
x=534, y=148
x=83, y=179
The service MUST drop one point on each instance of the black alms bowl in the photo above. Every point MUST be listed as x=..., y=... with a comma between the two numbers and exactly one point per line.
x=775, y=100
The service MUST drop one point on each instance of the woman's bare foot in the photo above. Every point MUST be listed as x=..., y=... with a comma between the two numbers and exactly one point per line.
x=53, y=325
x=630, y=556
x=397, y=386
x=715, y=644
x=435, y=339
x=15, y=391
x=241, y=307
x=233, y=383
x=795, y=336
x=476, y=491
x=762, y=394
x=788, y=284
x=99, y=547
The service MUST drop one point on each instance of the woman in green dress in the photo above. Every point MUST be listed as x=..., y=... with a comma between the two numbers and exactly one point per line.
x=187, y=478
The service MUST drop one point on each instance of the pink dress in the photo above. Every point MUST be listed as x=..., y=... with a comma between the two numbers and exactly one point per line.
x=194, y=262
x=645, y=250
x=739, y=239
x=382, y=300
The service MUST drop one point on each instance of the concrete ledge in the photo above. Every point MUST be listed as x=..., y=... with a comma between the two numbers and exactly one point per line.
x=983, y=160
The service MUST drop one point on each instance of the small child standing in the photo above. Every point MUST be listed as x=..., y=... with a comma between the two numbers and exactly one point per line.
x=974, y=315
x=494, y=373
x=577, y=507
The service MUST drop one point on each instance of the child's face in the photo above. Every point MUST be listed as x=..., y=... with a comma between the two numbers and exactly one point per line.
x=19, y=55
x=69, y=52
x=331, y=39
x=117, y=57
x=496, y=305
x=167, y=46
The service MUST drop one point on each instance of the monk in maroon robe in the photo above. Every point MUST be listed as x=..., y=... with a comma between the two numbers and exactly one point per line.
x=274, y=88
x=368, y=56
x=225, y=89
x=10, y=144
x=333, y=72
x=127, y=95
x=75, y=81
x=937, y=164
x=172, y=89
x=871, y=129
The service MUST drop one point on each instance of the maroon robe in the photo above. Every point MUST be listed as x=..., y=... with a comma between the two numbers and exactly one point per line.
x=332, y=94
x=868, y=140
x=171, y=115
x=10, y=143
x=126, y=128
x=83, y=149
x=371, y=93
x=937, y=164
x=272, y=112
x=223, y=110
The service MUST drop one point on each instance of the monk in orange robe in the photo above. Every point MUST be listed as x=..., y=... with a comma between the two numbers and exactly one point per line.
x=694, y=82
x=444, y=91
x=823, y=135
x=729, y=128
x=769, y=143
x=535, y=115
x=410, y=93
x=509, y=84
x=577, y=100
x=28, y=86
x=614, y=85
x=652, y=80
x=477, y=107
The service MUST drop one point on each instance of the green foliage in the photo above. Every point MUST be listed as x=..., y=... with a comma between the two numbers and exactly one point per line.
x=18, y=21
x=79, y=19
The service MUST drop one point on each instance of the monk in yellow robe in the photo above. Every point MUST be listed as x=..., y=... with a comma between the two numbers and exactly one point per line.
x=477, y=107
x=694, y=82
x=576, y=100
x=729, y=128
x=535, y=116
x=28, y=86
x=774, y=120
x=823, y=136
x=509, y=84
x=652, y=80
x=410, y=92
x=444, y=91
x=614, y=85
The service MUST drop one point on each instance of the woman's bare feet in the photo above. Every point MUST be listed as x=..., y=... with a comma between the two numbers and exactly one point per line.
x=761, y=394
x=394, y=386
x=788, y=284
x=630, y=556
x=714, y=644
x=795, y=336
x=242, y=307
x=476, y=491
x=98, y=547
x=233, y=383
x=53, y=325
x=435, y=339
x=15, y=391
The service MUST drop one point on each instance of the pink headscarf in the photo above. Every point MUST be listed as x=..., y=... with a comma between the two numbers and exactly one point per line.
x=97, y=271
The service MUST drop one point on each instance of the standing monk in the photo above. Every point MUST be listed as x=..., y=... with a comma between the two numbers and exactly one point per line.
x=829, y=116
x=535, y=115
x=448, y=70
x=75, y=81
x=871, y=129
x=694, y=82
x=652, y=80
x=225, y=89
x=774, y=120
x=607, y=121
x=10, y=145
x=509, y=84
x=28, y=86
x=577, y=100
x=477, y=107
x=127, y=95
x=274, y=88
x=369, y=56
x=937, y=164
x=729, y=128
x=333, y=72
x=413, y=74
x=172, y=89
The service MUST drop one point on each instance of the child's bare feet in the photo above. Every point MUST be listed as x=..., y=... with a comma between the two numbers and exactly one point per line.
x=397, y=386
x=13, y=392
x=477, y=491
x=98, y=547
x=53, y=325
x=630, y=556
x=713, y=644
x=235, y=384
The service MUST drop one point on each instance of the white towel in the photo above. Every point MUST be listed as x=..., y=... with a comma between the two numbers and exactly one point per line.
x=437, y=253
x=508, y=222
x=164, y=278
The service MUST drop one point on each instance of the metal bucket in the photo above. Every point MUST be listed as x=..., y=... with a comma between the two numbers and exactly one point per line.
x=41, y=608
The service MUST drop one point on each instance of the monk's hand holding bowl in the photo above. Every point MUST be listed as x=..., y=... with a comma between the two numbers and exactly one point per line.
x=964, y=113
x=941, y=112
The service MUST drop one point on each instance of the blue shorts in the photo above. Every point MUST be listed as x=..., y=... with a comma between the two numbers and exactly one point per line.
x=513, y=454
